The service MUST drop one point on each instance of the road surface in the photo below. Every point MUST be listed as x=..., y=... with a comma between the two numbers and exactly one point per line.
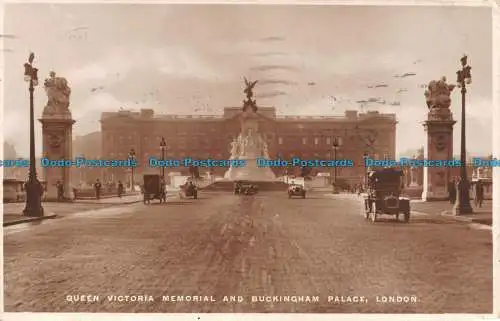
x=272, y=253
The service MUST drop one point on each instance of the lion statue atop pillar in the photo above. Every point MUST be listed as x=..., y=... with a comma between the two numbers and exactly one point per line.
x=58, y=93
x=437, y=97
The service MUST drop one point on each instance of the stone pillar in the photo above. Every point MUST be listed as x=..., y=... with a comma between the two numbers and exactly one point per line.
x=439, y=146
x=57, y=132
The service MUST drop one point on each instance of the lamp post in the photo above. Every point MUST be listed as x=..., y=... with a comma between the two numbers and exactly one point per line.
x=462, y=205
x=335, y=145
x=131, y=155
x=163, y=146
x=34, y=188
x=365, y=157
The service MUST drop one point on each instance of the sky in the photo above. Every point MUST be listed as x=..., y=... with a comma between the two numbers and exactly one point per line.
x=191, y=59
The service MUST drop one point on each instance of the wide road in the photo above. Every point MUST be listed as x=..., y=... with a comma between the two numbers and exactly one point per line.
x=267, y=247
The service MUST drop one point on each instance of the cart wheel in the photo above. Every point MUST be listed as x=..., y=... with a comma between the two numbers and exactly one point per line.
x=373, y=213
x=304, y=195
x=407, y=217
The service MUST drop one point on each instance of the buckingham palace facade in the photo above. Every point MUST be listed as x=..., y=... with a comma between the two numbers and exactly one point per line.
x=201, y=137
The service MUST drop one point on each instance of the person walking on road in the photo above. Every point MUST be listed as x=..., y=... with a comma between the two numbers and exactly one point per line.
x=60, y=191
x=479, y=197
x=452, y=191
x=97, y=187
x=120, y=189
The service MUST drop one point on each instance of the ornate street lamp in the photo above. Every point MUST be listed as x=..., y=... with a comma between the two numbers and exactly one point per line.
x=365, y=157
x=131, y=155
x=337, y=142
x=462, y=205
x=34, y=189
x=163, y=146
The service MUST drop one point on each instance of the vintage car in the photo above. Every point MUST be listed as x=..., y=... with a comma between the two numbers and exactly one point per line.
x=154, y=188
x=245, y=188
x=383, y=195
x=248, y=189
x=189, y=190
x=296, y=190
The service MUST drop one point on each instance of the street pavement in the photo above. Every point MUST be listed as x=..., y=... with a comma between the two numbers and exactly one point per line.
x=265, y=248
x=14, y=211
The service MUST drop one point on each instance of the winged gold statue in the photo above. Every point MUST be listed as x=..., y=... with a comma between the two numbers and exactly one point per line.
x=249, y=85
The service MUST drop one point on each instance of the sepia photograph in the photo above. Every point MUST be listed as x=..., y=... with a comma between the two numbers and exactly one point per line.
x=247, y=158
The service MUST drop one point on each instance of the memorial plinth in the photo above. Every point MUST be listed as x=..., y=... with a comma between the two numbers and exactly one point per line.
x=439, y=145
x=57, y=133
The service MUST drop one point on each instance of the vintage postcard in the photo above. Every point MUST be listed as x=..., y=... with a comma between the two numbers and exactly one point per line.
x=219, y=158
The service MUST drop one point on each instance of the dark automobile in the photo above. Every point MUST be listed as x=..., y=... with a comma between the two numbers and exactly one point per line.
x=384, y=195
x=248, y=189
x=296, y=190
x=154, y=188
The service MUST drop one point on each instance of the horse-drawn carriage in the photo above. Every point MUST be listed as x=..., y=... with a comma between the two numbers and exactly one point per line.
x=154, y=188
x=384, y=195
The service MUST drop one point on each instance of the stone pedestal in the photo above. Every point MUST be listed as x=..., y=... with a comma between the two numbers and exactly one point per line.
x=57, y=145
x=439, y=146
x=250, y=172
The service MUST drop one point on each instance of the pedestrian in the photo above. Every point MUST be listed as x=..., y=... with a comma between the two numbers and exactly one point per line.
x=452, y=191
x=479, y=194
x=60, y=191
x=120, y=189
x=74, y=193
x=97, y=187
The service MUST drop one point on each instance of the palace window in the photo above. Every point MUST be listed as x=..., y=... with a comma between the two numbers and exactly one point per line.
x=316, y=141
x=328, y=140
x=304, y=141
x=280, y=140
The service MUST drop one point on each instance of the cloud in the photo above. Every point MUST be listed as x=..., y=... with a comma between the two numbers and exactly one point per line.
x=271, y=94
x=273, y=38
x=182, y=62
x=274, y=67
x=112, y=67
x=277, y=82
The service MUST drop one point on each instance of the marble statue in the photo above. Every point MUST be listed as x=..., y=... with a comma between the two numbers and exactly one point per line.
x=58, y=93
x=438, y=93
x=266, y=152
x=234, y=148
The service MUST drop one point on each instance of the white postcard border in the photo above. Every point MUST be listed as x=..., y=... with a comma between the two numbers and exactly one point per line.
x=289, y=316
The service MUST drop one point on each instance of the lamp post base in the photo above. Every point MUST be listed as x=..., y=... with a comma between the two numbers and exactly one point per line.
x=33, y=211
x=34, y=191
x=462, y=208
x=462, y=205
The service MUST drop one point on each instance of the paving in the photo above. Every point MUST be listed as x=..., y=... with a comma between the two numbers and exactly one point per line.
x=481, y=215
x=13, y=212
x=278, y=254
